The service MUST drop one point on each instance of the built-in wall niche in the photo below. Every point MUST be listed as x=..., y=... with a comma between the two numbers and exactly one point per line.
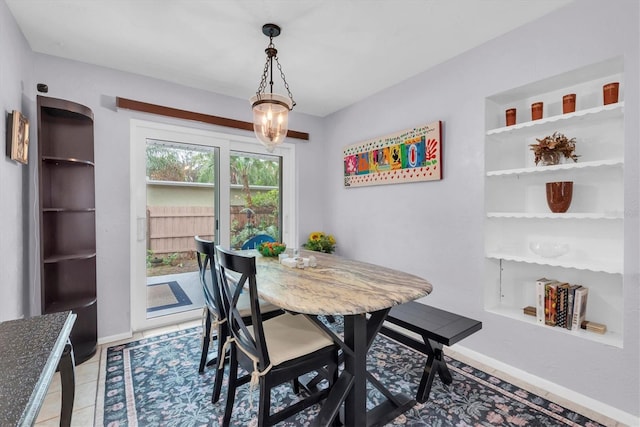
x=516, y=208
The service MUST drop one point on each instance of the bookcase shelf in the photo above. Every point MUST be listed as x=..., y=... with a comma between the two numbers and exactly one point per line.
x=67, y=217
x=516, y=212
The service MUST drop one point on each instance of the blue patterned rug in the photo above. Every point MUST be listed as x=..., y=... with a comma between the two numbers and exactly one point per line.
x=155, y=382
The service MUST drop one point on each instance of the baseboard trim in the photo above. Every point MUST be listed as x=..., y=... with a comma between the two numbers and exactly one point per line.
x=563, y=392
x=113, y=338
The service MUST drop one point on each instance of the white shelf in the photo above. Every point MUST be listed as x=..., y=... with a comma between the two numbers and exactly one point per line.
x=611, y=338
x=549, y=215
x=612, y=267
x=601, y=112
x=554, y=168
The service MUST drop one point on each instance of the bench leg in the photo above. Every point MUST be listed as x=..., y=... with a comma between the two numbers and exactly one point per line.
x=67, y=379
x=435, y=363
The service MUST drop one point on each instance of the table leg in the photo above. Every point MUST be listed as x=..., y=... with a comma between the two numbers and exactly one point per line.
x=355, y=337
x=67, y=380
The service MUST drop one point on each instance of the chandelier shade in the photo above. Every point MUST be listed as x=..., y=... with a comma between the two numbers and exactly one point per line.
x=271, y=110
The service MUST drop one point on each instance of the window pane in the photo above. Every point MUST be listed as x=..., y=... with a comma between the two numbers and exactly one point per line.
x=256, y=183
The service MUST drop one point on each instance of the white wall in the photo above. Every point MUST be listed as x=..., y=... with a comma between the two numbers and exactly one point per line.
x=435, y=229
x=14, y=177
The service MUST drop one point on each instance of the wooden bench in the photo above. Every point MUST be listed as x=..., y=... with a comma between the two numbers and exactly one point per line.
x=437, y=328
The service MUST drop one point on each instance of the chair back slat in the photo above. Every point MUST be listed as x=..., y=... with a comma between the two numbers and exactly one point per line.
x=205, y=254
x=245, y=267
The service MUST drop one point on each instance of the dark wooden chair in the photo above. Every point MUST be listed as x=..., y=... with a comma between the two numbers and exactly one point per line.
x=273, y=351
x=214, y=314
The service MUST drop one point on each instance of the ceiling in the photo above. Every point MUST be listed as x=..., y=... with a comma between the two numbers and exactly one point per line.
x=333, y=52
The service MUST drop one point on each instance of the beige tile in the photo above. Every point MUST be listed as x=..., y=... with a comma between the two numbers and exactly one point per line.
x=55, y=383
x=52, y=422
x=83, y=417
x=50, y=407
x=87, y=372
x=134, y=337
x=85, y=395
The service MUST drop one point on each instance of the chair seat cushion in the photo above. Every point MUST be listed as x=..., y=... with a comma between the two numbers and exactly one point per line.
x=244, y=306
x=291, y=336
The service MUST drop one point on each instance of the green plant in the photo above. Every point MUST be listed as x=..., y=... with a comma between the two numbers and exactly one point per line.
x=149, y=258
x=170, y=259
x=320, y=242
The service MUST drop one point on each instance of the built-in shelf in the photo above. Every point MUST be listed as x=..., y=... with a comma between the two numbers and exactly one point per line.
x=71, y=303
x=516, y=207
x=603, y=112
x=564, y=167
x=550, y=215
x=611, y=267
x=609, y=338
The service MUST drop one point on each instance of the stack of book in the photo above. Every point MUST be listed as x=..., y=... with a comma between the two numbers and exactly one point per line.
x=560, y=304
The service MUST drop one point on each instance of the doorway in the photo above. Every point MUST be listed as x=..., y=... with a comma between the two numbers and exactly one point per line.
x=187, y=182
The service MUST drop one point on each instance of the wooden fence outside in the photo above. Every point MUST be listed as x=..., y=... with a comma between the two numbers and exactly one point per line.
x=171, y=228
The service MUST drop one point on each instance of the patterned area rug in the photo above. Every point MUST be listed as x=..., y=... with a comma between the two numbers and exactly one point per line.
x=155, y=382
x=161, y=296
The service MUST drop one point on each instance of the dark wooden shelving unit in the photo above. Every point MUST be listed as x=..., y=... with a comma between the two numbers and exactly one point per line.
x=67, y=217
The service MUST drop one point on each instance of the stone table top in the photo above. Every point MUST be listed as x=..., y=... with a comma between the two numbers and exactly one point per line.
x=337, y=285
x=30, y=350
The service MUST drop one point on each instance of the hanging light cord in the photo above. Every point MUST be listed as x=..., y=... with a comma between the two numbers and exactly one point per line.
x=272, y=53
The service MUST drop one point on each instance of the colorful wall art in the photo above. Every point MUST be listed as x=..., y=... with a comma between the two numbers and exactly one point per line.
x=406, y=156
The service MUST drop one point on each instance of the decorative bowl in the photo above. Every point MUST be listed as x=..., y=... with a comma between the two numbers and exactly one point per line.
x=271, y=248
x=549, y=249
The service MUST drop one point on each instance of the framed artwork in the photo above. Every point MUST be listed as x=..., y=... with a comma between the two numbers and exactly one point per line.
x=19, y=137
x=410, y=155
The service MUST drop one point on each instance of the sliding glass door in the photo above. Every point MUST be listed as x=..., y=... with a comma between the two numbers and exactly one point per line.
x=187, y=182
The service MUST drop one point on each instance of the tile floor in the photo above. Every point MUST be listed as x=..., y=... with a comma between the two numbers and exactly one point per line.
x=87, y=384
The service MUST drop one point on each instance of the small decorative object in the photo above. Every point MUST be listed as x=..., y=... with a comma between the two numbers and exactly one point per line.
x=282, y=256
x=19, y=126
x=511, y=116
x=313, y=261
x=610, y=93
x=569, y=103
x=550, y=149
x=549, y=249
x=271, y=248
x=536, y=110
x=559, y=195
x=320, y=242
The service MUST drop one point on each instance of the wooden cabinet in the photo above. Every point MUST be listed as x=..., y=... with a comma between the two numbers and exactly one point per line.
x=515, y=199
x=67, y=217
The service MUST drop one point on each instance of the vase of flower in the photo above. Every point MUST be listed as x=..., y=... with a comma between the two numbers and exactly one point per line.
x=559, y=195
x=551, y=149
x=320, y=242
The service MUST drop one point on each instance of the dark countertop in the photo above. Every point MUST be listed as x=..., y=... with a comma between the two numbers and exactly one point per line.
x=30, y=350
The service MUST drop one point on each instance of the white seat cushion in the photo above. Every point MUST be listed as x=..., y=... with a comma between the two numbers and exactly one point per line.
x=244, y=307
x=291, y=336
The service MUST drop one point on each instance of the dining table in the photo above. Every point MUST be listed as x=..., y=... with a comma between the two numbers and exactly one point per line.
x=361, y=292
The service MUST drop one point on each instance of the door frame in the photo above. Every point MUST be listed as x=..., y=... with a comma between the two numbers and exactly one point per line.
x=140, y=132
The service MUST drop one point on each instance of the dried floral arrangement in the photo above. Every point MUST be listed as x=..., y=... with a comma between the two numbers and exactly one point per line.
x=551, y=147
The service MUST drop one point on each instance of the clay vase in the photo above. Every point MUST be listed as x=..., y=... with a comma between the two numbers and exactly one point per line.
x=511, y=116
x=569, y=103
x=536, y=111
x=610, y=93
x=559, y=195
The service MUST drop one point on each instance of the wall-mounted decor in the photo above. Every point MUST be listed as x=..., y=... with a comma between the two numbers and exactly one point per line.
x=406, y=156
x=19, y=141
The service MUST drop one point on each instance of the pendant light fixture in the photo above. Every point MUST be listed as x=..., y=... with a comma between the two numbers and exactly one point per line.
x=271, y=110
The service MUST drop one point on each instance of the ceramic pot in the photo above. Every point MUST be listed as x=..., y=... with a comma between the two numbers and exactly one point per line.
x=559, y=195
x=511, y=116
x=569, y=103
x=536, y=111
x=610, y=93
